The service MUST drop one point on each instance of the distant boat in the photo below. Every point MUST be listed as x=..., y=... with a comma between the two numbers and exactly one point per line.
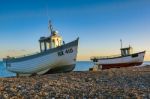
x=126, y=59
x=55, y=56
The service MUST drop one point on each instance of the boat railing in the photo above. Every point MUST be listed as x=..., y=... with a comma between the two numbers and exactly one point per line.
x=104, y=57
x=27, y=55
x=21, y=56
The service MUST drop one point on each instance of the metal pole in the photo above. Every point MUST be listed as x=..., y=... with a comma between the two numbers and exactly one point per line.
x=50, y=27
x=121, y=43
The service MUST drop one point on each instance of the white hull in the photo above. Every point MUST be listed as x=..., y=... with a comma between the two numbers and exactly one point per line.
x=122, y=61
x=41, y=64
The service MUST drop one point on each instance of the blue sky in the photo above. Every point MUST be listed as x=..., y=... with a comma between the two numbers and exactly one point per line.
x=100, y=24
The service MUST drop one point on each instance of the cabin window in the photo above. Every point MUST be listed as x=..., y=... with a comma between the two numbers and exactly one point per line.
x=42, y=46
x=135, y=55
x=125, y=52
x=53, y=41
x=47, y=45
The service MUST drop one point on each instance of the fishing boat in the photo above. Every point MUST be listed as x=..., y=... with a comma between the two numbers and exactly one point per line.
x=126, y=59
x=55, y=56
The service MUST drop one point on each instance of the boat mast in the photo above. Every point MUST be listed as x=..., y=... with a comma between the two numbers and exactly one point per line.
x=50, y=27
x=121, y=43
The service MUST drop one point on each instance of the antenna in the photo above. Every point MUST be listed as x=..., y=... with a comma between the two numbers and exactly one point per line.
x=121, y=42
x=50, y=27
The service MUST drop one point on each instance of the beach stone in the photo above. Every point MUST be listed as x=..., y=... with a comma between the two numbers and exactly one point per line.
x=5, y=95
x=1, y=88
x=37, y=97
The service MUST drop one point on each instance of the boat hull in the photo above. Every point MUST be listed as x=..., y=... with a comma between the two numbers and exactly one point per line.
x=119, y=65
x=135, y=59
x=59, y=59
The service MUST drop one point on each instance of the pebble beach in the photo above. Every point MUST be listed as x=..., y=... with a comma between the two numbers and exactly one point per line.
x=116, y=83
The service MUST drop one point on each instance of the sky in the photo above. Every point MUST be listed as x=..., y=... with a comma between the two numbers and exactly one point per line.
x=100, y=24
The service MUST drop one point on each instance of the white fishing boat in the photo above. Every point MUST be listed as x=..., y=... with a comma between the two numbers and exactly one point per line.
x=54, y=56
x=126, y=59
